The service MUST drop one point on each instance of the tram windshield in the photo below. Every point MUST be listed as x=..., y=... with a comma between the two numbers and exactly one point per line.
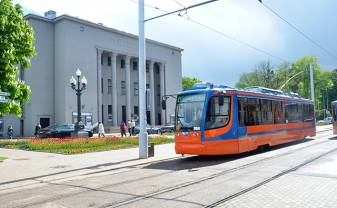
x=189, y=111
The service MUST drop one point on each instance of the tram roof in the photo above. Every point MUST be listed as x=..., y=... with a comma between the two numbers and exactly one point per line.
x=255, y=90
x=334, y=102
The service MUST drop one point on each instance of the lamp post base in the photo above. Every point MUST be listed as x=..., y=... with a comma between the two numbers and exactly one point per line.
x=80, y=134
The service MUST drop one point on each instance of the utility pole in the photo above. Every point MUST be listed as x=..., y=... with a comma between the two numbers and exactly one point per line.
x=312, y=84
x=143, y=139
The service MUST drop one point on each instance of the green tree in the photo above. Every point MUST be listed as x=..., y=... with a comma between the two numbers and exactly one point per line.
x=294, y=77
x=16, y=49
x=189, y=82
x=262, y=75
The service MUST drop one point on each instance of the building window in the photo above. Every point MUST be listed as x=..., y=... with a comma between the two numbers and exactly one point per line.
x=109, y=60
x=102, y=59
x=102, y=85
x=109, y=109
x=147, y=86
x=147, y=67
x=122, y=63
x=135, y=65
x=110, y=113
x=135, y=88
x=123, y=88
x=109, y=86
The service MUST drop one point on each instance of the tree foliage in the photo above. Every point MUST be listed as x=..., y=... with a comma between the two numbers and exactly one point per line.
x=16, y=49
x=294, y=77
x=189, y=82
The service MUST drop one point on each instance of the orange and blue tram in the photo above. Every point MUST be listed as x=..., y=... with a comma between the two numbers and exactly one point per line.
x=334, y=112
x=217, y=120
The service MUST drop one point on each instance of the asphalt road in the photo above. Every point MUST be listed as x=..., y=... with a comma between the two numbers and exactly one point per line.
x=300, y=174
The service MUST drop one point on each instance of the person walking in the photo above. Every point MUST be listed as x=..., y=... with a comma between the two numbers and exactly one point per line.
x=101, y=130
x=10, y=132
x=37, y=129
x=133, y=125
x=123, y=128
x=129, y=127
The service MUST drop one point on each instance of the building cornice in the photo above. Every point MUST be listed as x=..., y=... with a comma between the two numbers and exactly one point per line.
x=102, y=27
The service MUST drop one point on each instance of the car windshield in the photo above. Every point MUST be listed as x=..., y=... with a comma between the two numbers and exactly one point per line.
x=189, y=111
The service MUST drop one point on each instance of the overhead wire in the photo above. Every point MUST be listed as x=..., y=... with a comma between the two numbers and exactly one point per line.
x=298, y=30
x=218, y=32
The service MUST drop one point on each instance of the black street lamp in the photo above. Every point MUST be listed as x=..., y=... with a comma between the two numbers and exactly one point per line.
x=78, y=85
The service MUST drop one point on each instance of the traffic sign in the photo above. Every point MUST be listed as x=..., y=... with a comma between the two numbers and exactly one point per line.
x=3, y=96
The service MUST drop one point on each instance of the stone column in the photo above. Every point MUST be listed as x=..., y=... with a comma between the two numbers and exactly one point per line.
x=128, y=87
x=99, y=85
x=114, y=88
x=153, y=96
x=162, y=90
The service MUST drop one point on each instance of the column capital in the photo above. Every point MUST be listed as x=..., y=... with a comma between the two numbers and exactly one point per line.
x=99, y=50
x=113, y=53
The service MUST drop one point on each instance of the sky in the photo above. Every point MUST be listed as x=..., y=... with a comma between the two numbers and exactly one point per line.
x=208, y=55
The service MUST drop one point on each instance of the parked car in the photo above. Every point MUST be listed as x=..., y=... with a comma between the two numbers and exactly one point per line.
x=328, y=120
x=167, y=128
x=149, y=129
x=61, y=130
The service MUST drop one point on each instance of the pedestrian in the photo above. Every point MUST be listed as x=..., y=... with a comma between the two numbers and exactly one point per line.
x=37, y=129
x=10, y=131
x=133, y=125
x=123, y=128
x=101, y=130
x=129, y=127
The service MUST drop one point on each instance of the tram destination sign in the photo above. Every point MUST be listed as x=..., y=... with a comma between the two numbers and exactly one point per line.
x=3, y=96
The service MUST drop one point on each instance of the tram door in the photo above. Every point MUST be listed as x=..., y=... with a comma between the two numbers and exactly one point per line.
x=242, y=107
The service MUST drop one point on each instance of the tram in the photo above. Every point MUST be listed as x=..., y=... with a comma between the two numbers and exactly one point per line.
x=218, y=120
x=334, y=112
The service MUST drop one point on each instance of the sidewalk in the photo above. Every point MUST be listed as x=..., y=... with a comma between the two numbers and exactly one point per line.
x=28, y=167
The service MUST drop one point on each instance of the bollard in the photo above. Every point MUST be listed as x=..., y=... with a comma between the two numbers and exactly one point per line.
x=150, y=150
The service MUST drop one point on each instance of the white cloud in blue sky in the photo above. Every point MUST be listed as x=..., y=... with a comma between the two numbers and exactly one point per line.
x=207, y=55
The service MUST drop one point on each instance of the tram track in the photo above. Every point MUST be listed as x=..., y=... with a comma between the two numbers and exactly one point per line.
x=172, y=188
x=222, y=173
x=40, y=178
x=268, y=180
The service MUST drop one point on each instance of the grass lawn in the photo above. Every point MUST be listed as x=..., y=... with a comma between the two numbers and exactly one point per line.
x=79, y=145
x=2, y=158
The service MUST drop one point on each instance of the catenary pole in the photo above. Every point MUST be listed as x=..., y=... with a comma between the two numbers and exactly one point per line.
x=143, y=139
x=312, y=83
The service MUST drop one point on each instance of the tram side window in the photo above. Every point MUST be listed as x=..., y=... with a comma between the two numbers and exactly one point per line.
x=253, y=112
x=217, y=116
x=278, y=112
x=294, y=112
x=333, y=111
x=266, y=112
x=308, y=111
x=242, y=104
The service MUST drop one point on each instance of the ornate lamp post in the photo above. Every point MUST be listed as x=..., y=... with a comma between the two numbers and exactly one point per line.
x=78, y=85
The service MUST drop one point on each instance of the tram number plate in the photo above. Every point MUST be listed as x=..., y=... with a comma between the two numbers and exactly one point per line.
x=196, y=128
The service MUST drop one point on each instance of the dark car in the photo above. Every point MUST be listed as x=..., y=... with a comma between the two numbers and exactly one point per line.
x=167, y=129
x=149, y=129
x=61, y=130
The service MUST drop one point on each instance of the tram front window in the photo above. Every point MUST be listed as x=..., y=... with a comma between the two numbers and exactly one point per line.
x=189, y=111
x=217, y=115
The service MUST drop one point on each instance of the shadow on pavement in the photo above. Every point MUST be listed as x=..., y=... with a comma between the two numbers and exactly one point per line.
x=193, y=162
x=333, y=138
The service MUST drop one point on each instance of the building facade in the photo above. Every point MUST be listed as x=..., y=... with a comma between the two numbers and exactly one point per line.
x=108, y=58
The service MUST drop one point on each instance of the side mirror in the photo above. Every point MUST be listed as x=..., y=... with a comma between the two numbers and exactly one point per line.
x=221, y=99
x=163, y=104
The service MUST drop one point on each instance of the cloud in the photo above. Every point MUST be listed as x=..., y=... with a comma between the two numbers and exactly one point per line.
x=207, y=55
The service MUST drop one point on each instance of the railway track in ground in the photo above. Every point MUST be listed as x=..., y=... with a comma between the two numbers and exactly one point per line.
x=182, y=185
x=222, y=173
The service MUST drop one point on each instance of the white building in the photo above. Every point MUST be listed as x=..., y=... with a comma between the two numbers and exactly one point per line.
x=108, y=58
